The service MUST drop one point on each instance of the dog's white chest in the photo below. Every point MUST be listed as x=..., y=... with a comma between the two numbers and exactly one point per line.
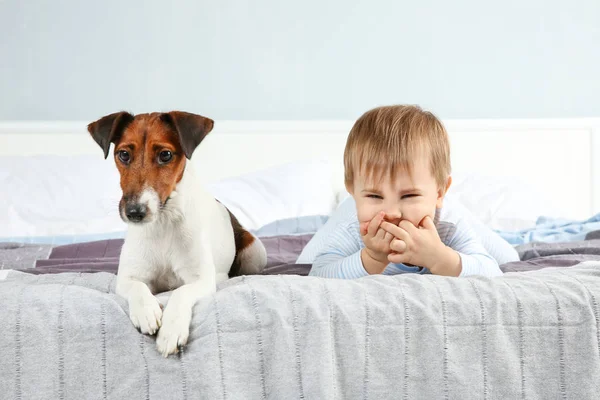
x=169, y=249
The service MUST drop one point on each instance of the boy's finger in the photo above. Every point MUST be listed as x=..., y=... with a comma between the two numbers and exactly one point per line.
x=427, y=223
x=397, y=258
x=398, y=246
x=407, y=226
x=374, y=224
x=363, y=228
x=395, y=230
x=388, y=236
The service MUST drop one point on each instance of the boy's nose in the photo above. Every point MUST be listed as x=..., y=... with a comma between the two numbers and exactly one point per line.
x=393, y=216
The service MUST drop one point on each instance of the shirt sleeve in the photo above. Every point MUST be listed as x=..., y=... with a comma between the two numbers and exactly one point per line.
x=475, y=259
x=340, y=256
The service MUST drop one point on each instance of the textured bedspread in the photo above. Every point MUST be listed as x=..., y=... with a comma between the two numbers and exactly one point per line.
x=527, y=335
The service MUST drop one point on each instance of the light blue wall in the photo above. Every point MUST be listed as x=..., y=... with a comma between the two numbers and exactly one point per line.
x=234, y=59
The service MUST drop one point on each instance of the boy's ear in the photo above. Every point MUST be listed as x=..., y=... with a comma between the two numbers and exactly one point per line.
x=349, y=187
x=448, y=184
x=442, y=192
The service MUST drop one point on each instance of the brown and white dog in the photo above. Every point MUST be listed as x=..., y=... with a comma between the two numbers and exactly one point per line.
x=178, y=237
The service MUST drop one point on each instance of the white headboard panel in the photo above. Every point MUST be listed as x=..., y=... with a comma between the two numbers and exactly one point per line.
x=560, y=156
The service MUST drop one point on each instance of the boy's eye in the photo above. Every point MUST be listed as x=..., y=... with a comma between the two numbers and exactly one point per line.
x=406, y=196
x=374, y=196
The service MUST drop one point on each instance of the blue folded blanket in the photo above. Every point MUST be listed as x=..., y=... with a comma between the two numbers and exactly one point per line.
x=553, y=230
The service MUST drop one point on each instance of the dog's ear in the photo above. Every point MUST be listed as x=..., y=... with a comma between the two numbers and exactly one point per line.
x=109, y=129
x=191, y=128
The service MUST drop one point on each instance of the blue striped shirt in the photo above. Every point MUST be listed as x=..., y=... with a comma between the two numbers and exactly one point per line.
x=337, y=247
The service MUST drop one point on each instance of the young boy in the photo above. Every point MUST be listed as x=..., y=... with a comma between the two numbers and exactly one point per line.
x=397, y=169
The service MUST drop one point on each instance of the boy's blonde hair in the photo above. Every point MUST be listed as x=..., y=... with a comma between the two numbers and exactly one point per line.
x=385, y=139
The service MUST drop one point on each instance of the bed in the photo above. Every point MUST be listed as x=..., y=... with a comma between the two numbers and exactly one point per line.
x=532, y=333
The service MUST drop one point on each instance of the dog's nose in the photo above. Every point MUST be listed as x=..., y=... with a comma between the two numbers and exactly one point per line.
x=135, y=212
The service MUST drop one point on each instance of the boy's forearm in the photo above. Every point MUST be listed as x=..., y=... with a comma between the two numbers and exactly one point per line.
x=479, y=264
x=335, y=265
x=371, y=264
x=448, y=263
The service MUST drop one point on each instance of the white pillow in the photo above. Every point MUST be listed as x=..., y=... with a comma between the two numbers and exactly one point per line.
x=291, y=190
x=501, y=203
x=58, y=195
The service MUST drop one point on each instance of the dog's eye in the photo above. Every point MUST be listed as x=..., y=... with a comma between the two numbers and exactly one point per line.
x=124, y=156
x=165, y=156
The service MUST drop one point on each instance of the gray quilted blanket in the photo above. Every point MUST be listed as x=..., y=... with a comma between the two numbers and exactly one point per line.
x=531, y=335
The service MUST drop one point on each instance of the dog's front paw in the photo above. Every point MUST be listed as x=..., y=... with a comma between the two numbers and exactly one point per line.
x=146, y=314
x=173, y=334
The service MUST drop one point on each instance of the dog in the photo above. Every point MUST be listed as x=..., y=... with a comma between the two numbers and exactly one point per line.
x=178, y=236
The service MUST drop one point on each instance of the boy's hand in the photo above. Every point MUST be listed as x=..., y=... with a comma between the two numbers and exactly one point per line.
x=421, y=246
x=377, y=244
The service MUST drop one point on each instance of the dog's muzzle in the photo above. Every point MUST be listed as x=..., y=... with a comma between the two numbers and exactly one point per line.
x=140, y=208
